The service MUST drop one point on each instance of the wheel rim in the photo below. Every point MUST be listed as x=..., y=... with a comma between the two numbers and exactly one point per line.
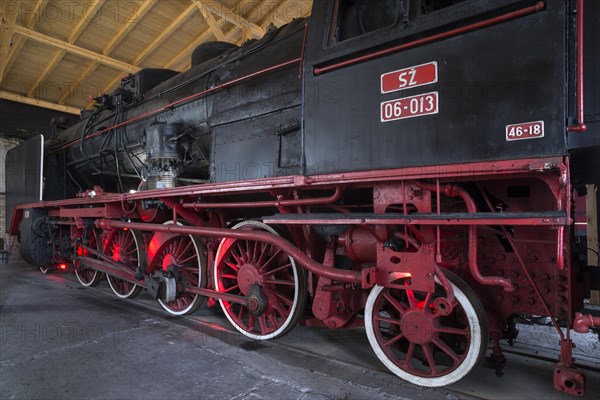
x=420, y=345
x=183, y=251
x=87, y=276
x=123, y=247
x=276, y=289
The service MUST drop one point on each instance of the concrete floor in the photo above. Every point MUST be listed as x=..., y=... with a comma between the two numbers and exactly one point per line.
x=59, y=340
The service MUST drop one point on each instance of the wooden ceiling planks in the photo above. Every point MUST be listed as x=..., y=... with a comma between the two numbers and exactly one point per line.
x=80, y=49
x=83, y=22
x=129, y=22
x=166, y=32
x=8, y=19
x=31, y=18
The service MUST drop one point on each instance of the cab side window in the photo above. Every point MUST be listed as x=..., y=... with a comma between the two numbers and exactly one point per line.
x=354, y=18
x=429, y=6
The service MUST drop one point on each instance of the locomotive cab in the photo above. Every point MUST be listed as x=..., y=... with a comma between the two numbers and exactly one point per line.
x=487, y=67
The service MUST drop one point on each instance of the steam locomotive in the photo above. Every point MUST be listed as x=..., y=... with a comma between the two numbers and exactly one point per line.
x=411, y=166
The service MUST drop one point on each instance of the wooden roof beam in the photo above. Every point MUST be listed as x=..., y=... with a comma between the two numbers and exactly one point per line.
x=187, y=51
x=177, y=22
x=36, y=13
x=79, y=28
x=256, y=12
x=19, y=42
x=85, y=20
x=71, y=48
x=184, y=53
x=230, y=16
x=283, y=8
x=205, y=36
x=39, y=103
x=273, y=15
x=8, y=19
x=143, y=9
x=215, y=27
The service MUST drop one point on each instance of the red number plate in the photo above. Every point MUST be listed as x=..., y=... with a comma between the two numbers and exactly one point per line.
x=409, y=107
x=410, y=77
x=526, y=130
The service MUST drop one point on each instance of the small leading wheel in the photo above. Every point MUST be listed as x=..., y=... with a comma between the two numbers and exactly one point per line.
x=186, y=253
x=88, y=277
x=124, y=247
x=274, y=286
x=419, y=344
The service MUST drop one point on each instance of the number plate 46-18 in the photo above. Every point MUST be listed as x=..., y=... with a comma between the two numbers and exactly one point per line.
x=526, y=130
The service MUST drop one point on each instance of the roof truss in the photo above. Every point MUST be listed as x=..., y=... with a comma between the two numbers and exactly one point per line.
x=8, y=18
x=221, y=22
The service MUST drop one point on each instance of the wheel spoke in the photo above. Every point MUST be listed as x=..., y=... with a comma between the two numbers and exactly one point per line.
x=178, y=245
x=235, y=267
x=411, y=298
x=446, y=349
x=428, y=352
x=188, y=259
x=255, y=251
x=243, y=252
x=278, y=269
x=453, y=331
x=238, y=259
x=409, y=354
x=393, y=340
x=186, y=250
x=273, y=321
x=283, y=313
x=278, y=282
x=263, y=254
x=427, y=301
x=128, y=240
x=262, y=322
x=271, y=259
x=395, y=303
x=283, y=298
x=387, y=319
x=249, y=249
x=228, y=290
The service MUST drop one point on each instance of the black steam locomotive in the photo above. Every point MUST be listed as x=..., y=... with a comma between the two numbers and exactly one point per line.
x=411, y=166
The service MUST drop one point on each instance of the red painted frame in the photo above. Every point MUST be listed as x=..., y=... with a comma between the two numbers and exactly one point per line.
x=191, y=202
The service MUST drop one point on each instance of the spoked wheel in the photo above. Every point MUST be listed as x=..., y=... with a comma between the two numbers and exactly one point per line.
x=186, y=253
x=124, y=247
x=87, y=276
x=274, y=285
x=419, y=344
